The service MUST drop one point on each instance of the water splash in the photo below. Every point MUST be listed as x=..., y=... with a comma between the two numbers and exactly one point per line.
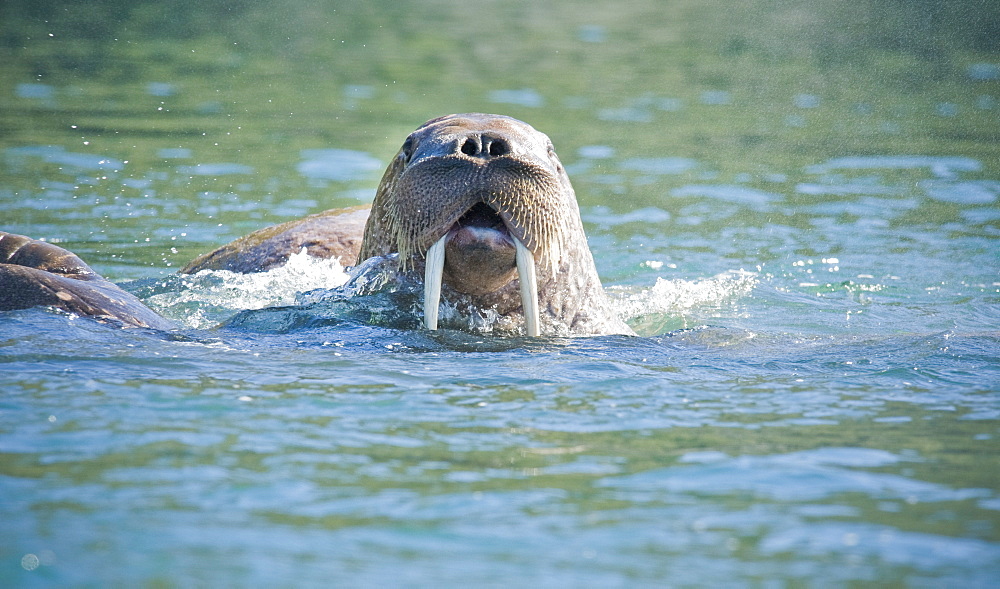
x=205, y=299
x=648, y=310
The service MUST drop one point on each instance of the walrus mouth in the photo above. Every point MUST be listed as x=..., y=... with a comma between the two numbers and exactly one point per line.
x=481, y=219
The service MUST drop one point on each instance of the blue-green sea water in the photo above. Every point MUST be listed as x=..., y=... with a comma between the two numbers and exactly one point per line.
x=804, y=230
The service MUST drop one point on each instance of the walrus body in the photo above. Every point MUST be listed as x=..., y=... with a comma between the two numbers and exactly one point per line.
x=335, y=233
x=477, y=206
x=34, y=273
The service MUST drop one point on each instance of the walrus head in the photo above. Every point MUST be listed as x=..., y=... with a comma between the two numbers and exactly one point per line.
x=483, y=206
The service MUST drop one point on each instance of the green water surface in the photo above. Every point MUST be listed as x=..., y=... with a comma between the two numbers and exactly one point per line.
x=795, y=203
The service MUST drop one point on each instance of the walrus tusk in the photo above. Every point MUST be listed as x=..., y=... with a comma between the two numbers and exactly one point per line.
x=529, y=287
x=433, y=272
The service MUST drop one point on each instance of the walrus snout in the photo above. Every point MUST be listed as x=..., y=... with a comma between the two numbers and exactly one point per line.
x=475, y=139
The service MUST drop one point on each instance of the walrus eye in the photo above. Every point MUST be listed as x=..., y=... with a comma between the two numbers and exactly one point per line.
x=406, y=152
x=554, y=157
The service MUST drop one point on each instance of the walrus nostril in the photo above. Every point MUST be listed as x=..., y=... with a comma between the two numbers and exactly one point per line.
x=497, y=147
x=485, y=146
x=471, y=146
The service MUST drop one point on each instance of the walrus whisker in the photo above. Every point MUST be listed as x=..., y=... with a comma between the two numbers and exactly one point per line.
x=529, y=287
x=433, y=273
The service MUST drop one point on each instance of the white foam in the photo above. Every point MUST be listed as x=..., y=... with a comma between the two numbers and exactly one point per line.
x=210, y=296
x=679, y=296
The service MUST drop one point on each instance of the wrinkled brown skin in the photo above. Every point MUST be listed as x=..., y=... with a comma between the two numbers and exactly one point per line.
x=444, y=169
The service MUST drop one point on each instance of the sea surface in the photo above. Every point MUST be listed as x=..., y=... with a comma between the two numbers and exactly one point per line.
x=807, y=242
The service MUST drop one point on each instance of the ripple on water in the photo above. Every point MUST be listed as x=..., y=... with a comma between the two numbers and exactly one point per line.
x=940, y=166
x=972, y=192
x=35, y=91
x=596, y=152
x=217, y=169
x=744, y=195
x=340, y=165
x=658, y=165
x=178, y=153
x=800, y=476
x=523, y=97
x=846, y=188
x=928, y=552
x=868, y=208
x=57, y=154
x=604, y=217
x=629, y=114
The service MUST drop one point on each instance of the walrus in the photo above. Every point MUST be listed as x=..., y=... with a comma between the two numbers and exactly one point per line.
x=35, y=273
x=476, y=206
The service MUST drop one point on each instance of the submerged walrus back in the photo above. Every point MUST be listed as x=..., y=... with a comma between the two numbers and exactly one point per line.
x=34, y=273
